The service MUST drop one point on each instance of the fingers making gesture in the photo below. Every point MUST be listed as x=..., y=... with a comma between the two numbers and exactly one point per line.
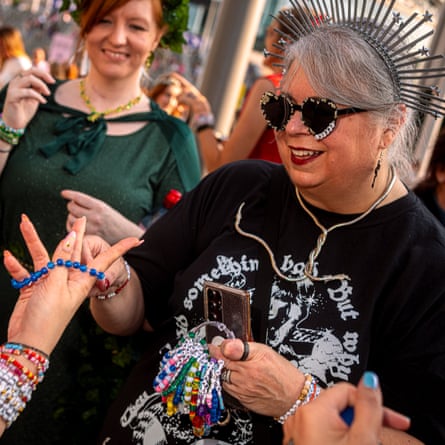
x=46, y=306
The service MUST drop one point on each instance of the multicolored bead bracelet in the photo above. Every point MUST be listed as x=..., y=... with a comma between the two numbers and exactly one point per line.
x=35, y=276
x=17, y=382
x=10, y=135
x=189, y=380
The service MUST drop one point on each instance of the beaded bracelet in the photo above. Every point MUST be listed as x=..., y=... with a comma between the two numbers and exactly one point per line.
x=17, y=382
x=13, y=395
x=35, y=276
x=24, y=346
x=10, y=135
x=34, y=356
x=202, y=121
x=9, y=360
x=119, y=289
x=8, y=371
x=189, y=380
x=309, y=392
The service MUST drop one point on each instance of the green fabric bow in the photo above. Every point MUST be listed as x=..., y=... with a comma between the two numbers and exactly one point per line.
x=82, y=139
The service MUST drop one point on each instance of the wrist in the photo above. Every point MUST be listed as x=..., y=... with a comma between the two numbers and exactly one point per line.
x=21, y=369
x=309, y=392
x=9, y=134
x=119, y=289
x=202, y=121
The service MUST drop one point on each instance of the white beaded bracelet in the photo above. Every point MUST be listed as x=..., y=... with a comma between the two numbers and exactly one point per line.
x=309, y=392
x=119, y=289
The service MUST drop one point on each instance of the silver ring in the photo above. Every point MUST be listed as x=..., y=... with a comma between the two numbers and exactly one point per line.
x=225, y=375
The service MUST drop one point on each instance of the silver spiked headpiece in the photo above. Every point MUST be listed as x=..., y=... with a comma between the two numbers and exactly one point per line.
x=384, y=29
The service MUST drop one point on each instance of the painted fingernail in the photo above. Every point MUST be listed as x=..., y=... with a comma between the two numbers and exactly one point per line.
x=370, y=380
x=25, y=218
x=69, y=241
x=7, y=253
x=103, y=285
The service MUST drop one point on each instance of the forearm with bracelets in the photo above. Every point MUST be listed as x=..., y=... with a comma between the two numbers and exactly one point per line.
x=9, y=136
x=202, y=117
x=309, y=392
x=202, y=123
x=120, y=308
x=22, y=368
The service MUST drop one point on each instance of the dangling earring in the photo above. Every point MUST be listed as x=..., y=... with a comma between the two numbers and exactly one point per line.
x=377, y=168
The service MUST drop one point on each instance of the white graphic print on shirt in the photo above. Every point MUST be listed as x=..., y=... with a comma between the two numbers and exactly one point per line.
x=327, y=352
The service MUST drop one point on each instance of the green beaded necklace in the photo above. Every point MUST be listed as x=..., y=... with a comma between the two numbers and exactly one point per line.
x=94, y=115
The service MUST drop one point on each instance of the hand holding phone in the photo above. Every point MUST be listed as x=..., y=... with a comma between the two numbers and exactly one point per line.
x=230, y=306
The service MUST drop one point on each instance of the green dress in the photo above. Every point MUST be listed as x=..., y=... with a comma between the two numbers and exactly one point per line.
x=132, y=173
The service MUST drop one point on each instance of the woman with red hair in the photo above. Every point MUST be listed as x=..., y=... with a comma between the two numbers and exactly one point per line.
x=13, y=56
x=95, y=146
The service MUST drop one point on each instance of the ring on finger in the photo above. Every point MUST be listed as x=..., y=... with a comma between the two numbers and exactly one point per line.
x=225, y=375
x=245, y=352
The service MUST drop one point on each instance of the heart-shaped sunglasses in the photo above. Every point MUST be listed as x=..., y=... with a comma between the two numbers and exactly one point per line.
x=318, y=114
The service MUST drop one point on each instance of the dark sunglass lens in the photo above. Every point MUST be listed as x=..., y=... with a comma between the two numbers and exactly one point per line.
x=275, y=110
x=317, y=114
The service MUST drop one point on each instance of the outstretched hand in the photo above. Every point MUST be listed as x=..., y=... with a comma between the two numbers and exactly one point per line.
x=369, y=418
x=45, y=308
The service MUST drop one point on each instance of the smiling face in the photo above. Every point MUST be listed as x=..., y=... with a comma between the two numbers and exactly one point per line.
x=119, y=44
x=343, y=161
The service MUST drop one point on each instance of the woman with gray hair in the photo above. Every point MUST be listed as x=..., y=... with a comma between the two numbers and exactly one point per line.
x=341, y=263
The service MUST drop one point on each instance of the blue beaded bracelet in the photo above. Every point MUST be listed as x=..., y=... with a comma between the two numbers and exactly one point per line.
x=35, y=276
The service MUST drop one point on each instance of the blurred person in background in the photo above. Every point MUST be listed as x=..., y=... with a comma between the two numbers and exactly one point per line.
x=431, y=189
x=166, y=93
x=250, y=137
x=13, y=56
x=39, y=59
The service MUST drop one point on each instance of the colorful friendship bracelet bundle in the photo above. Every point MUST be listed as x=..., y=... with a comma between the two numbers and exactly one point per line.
x=10, y=135
x=189, y=380
x=35, y=276
x=17, y=382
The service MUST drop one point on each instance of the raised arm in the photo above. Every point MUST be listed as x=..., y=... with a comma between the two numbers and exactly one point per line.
x=246, y=132
x=24, y=94
x=117, y=302
x=49, y=297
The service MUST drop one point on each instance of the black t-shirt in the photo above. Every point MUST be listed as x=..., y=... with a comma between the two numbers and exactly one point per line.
x=388, y=317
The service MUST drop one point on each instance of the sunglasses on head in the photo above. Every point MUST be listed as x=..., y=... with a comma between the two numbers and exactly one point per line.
x=318, y=114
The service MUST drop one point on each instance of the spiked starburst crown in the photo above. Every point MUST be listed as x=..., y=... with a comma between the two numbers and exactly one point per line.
x=393, y=38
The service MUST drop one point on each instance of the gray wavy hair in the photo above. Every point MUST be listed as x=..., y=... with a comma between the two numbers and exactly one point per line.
x=341, y=66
